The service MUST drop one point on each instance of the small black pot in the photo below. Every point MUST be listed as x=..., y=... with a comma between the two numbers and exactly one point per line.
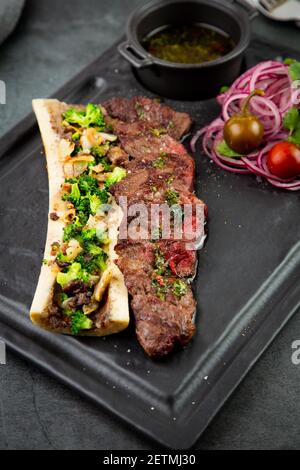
x=187, y=81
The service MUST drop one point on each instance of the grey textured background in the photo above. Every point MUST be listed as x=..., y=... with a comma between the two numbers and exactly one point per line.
x=54, y=39
x=10, y=11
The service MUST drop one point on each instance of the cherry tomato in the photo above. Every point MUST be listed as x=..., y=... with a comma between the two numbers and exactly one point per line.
x=284, y=160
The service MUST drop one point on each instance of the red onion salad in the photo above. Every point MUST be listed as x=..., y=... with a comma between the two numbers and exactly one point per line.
x=280, y=94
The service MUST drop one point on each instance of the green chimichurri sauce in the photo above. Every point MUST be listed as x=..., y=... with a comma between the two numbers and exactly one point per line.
x=192, y=44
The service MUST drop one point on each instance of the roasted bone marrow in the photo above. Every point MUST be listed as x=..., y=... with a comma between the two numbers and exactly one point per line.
x=81, y=290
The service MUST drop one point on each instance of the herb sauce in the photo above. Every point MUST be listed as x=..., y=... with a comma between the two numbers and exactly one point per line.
x=192, y=44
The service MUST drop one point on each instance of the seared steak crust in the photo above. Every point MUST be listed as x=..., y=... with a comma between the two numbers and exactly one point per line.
x=150, y=113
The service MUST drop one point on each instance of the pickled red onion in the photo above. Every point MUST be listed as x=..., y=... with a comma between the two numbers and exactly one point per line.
x=280, y=95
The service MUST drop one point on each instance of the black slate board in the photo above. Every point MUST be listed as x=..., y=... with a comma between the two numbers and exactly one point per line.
x=247, y=284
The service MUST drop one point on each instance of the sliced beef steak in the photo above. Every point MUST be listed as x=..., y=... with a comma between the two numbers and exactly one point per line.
x=157, y=165
x=182, y=262
x=150, y=113
x=151, y=186
x=161, y=323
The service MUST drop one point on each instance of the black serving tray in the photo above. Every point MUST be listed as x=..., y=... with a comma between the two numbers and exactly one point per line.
x=247, y=285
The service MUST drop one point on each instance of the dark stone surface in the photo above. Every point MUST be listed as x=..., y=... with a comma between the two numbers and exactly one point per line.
x=52, y=41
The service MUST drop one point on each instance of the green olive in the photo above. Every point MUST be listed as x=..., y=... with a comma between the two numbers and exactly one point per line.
x=244, y=132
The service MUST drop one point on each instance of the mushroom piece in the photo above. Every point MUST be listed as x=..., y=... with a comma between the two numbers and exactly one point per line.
x=90, y=308
x=73, y=249
x=65, y=149
x=103, y=283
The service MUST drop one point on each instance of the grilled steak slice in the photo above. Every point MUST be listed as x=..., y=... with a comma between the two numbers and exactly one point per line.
x=152, y=186
x=166, y=155
x=161, y=323
x=182, y=262
x=136, y=261
x=148, y=151
x=149, y=146
x=150, y=113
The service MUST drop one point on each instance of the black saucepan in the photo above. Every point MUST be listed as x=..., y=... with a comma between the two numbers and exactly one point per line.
x=187, y=81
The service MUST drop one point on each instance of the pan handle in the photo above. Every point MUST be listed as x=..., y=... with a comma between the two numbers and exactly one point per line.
x=135, y=57
x=248, y=6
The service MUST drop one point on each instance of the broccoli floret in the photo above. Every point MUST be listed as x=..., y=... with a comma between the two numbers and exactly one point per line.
x=91, y=116
x=81, y=203
x=79, y=322
x=94, y=249
x=73, y=196
x=72, y=230
x=74, y=272
x=62, y=258
x=99, y=256
x=84, y=205
x=95, y=203
x=101, y=261
x=76, y=136
x=99, y=152
x=87, y=184
x=103, y=195
x=90, y=203
x=83, y=217
x=88, y=235
x=117, y=175
x=93, y=259
x=87, y=204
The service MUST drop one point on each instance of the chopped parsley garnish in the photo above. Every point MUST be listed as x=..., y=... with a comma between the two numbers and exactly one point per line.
x=172, y=197
x=140, y=110
x=163, y=279
x=157, y=132
x=160, y=161
x=161, y=290
x=179, y=288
